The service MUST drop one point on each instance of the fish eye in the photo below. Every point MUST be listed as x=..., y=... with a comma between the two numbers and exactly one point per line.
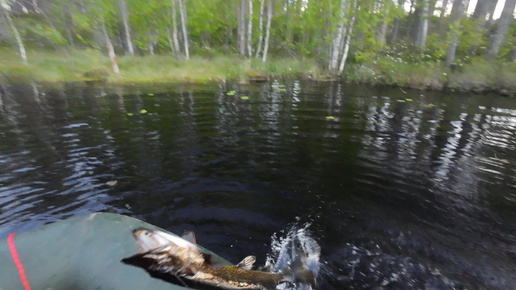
x=147, y=233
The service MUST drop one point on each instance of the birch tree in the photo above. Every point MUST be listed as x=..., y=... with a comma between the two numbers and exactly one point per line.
x=182, y=10
x=348, y=40
x=501, y=30
x=250, y=29
x=174, y=28
x=457, y=12
x=111, y=51
x=127, y=30
x=241, y=27
x=422, y=28
x=15, y=32
x=483, y=9
x=267, y=30
x=337, y=39
x=260, y=30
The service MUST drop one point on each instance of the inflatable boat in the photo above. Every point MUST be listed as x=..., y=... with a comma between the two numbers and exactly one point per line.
x=83, y=252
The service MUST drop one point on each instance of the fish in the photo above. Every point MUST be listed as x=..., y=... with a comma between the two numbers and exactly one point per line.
x=179, y=260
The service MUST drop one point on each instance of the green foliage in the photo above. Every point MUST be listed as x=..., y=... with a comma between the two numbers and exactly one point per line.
x=302, y=34
x=394, y=68
x=469, y=37
x=38, y=31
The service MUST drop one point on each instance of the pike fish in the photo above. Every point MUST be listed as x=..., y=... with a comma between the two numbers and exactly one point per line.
x=179, y=260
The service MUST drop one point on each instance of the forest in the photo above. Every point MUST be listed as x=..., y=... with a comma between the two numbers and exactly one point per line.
x=433, y=44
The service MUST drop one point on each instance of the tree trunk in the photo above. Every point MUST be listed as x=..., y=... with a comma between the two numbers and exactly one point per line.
x=267, y=31
x=422, y=29
x=348, y=40
x=111, y=51
x=23, y=54
x=490, y=12
x=241, y=28
x=250, y=29
x=411, y=19
x=503, y=26
x=174, y=29
x=395, y=30
x=336, y=47
x=260, y=36
x=151, y=48
x=457, y=12
x=483, y=8
x=382, y=32
x=127, y=30
x=182, y=9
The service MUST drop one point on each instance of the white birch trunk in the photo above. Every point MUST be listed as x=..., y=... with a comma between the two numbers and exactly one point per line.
x=260, y=36
x=250, y=29
x=111, y=51
x=423, y=27
x=336, y=47
x=268, y=31
x=241, y=28
x=127, y=29
x=17, y=37
x=347, y=43
x=182, y=10
x=174, y=28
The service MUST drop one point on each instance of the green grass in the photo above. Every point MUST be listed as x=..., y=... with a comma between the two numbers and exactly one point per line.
x=49, y=66
x=56, y=67
x=52, y=67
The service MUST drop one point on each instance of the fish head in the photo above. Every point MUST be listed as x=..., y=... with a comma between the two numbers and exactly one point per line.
x=148, y=240
x=165, y=252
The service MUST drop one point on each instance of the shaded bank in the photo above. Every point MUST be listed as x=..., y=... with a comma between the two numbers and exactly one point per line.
x=476, y=75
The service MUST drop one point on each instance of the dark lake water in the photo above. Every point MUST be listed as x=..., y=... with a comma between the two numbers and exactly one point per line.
x=402, y=188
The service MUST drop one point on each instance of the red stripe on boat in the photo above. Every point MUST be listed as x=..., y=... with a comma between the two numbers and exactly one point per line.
x=17, y=262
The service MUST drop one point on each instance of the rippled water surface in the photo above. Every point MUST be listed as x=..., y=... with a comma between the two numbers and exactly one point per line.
x=403, y=189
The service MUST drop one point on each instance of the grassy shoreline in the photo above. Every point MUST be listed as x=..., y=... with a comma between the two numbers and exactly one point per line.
x=90, y=65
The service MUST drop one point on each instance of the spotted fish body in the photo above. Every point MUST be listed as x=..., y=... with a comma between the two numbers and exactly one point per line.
x=168, y=256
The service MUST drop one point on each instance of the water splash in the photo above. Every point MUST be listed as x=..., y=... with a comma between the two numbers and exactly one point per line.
x=298, y=252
